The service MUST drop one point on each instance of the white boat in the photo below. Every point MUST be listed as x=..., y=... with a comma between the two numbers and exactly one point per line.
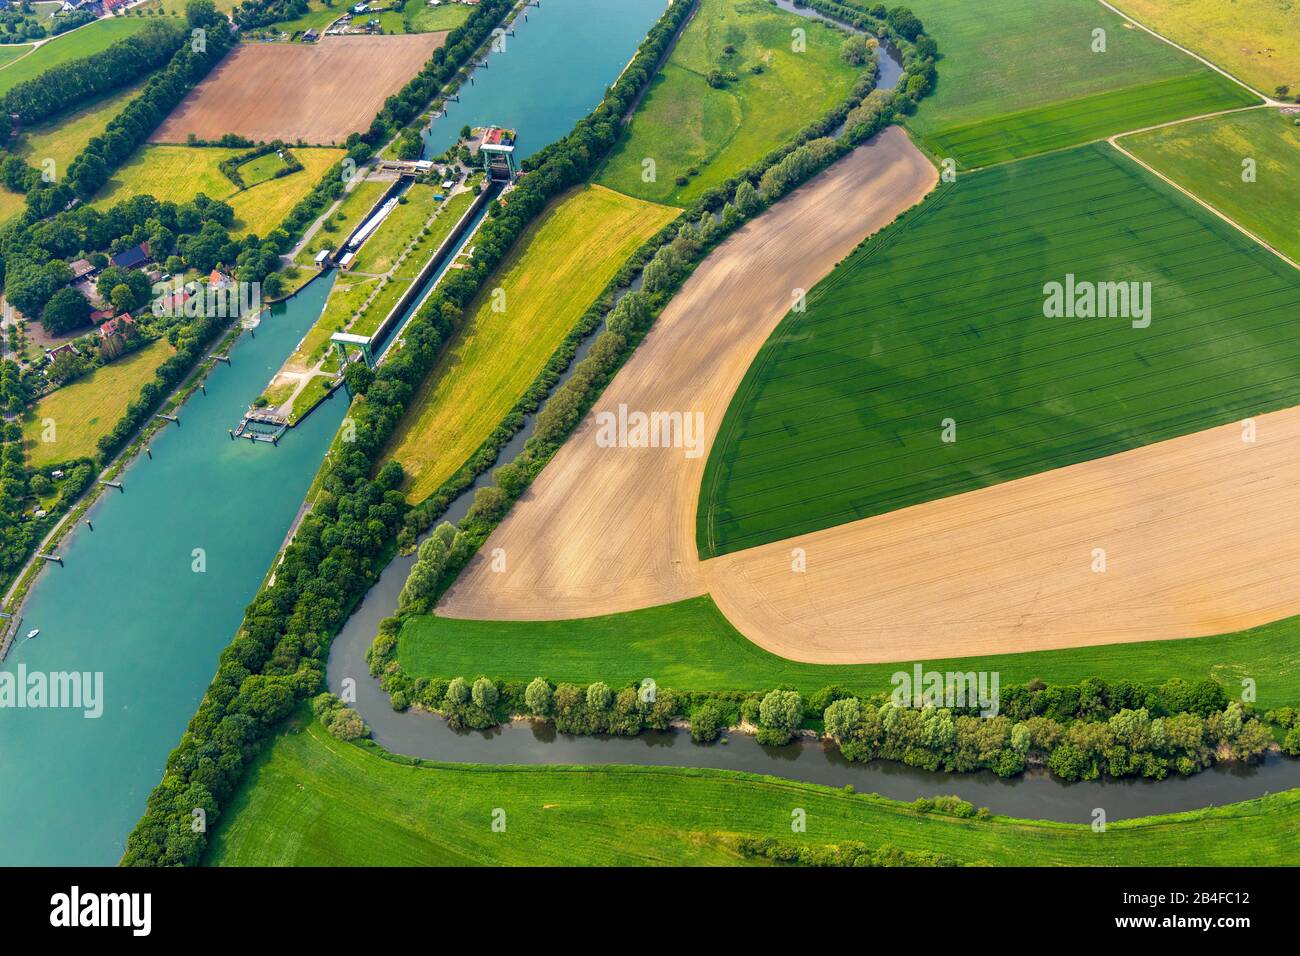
x=33, y=632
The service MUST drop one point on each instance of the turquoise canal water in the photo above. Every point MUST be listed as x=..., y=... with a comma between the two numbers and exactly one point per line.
x=128, y=602
x=542, y=82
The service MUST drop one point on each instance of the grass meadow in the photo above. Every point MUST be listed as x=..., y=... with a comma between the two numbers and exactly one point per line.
x=89, y=407
x=551, y=276
x=73, y=45
x=1011, y=69
x=64, y=137
x=692, y=646
x=1256, y=40
x=1206, y=158
x=943, y=316
x=311, y=800
x=178, y=173
x=684, y=124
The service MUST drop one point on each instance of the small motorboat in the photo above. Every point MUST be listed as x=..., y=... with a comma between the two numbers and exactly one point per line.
x=33, y=632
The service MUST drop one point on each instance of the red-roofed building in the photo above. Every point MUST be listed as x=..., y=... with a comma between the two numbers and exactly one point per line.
x=119, y=325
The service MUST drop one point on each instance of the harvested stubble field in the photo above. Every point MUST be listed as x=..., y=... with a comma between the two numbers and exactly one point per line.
x=317, y=93
x=841, y=415
x=1194, y=536
x=609, y=529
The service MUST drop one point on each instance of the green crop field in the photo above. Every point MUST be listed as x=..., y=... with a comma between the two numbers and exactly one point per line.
x=684, y=124
x=944, y=316
x=73, y=45
x=1206, y=158
x=1019, y=77
x=311, y=800
x=89, y=407
x=64, y=137
x=179, y=172
x=552, y=275
x=691, y=646
x=1086, y=119
x=1256, y=40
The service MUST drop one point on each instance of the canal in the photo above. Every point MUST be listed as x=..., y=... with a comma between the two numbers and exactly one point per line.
x=151, y=596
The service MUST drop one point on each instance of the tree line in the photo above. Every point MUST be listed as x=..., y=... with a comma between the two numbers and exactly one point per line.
x=88, y=173
x=68, y=85
x=277, y=657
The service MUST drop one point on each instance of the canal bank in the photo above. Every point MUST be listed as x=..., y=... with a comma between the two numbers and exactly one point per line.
x=152, y=595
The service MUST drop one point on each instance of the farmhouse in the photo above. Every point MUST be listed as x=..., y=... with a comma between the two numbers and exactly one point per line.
x=81, y=268
x=131, y=258
x=118, y=326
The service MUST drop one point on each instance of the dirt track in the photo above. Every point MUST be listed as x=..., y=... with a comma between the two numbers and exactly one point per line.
x=611, y=529
x=1201, y=534
x=317, y=92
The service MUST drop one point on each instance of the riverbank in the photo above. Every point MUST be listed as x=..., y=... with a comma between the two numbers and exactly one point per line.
x=315, y=800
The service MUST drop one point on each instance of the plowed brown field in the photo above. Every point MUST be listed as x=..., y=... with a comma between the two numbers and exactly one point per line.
x=1201, y=536
x=316, y=92
x=611, y=529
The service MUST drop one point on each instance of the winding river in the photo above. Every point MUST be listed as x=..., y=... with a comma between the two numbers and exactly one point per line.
x=156, y=590
x=153, y=593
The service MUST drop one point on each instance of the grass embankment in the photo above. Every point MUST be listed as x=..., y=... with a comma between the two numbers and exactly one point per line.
x=1206, y=158
x=347, y=217
x=1018, y=78
x=311, y=800
x=73, y=45
x=402, y=225
x=692, y=646
x=684, y=123
x=1255, y=40
x=943, y=316
x=178, y=173
x=551, y=277
x=89, y=407
x=352, y=289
